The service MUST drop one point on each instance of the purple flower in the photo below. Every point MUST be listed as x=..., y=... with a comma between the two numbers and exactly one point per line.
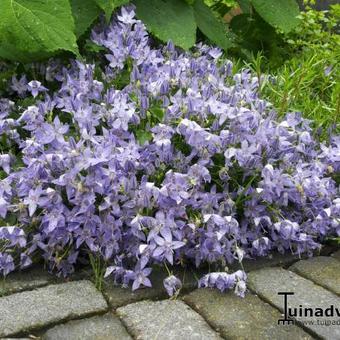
x=3, y=207
x=221, y=176
x=224, y=281
x=19, y=86
x=6, y=264
x=215, y=53
x=127, y=16
x=328, y=70
x=14, y=235
x=176, y=186
x=5, y=108
x=5, y=162
x=25, y=261
x=33, y=200
x=240, y=288
x=165, y=245
x=141, y=277
x=35, y=87
x=261, y=246
x=172, y=285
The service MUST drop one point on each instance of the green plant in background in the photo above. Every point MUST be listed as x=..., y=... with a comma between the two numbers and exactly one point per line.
x=309, y=79
x=301, y=50
x=34, y=29
x=31, y=30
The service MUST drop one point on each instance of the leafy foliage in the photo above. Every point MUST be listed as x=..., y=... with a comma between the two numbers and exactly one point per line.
x=308, y=80
x=253, y=34
x=108, y=6
x=279, y=13
x=36, y=29
x=84, y=12
x=31, y=29
x=169, y=20
x=215, y=29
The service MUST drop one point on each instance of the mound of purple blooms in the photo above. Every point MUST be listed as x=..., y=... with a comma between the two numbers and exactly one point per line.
x=160, y=157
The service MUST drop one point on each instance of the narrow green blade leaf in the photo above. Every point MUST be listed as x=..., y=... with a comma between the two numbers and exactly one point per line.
x=85, y=12
x=169, y=20
x=278, y=13
x=212, y=26
x=32, y=29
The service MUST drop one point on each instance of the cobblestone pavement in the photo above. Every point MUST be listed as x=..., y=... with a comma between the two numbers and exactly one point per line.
x=34, y=305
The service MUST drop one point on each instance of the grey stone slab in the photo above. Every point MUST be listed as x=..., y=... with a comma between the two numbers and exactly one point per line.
x=237, y=318
x=325, y=271
x=101, y=327
x=118, y=296
x=22, y=312
x=168, y=319
x=336, y=255
x=25, y=280
x=267, y=283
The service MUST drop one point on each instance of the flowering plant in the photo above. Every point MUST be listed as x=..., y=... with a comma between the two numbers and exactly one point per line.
x=160, y=157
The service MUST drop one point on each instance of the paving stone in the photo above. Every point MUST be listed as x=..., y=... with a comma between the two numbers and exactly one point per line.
x=102, y=327
x=168, y=319
x=237, y=318
x=25, y=280
x=268, y=282
x=25, y=311
x=336, y=255
x=325, y=271
x=118, y=296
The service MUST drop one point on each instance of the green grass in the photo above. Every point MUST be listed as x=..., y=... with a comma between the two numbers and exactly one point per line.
x=306, y=76
x=302, y=84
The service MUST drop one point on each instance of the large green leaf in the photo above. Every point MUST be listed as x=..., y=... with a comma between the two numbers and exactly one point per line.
x=169, y=20
x=32, y=29
x=109, y=5
x=245, y=6
x=278, y=13
x=211, y=26
x=85, y=12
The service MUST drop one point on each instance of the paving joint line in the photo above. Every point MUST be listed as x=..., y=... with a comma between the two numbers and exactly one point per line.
x=208, y=322
x=297, y=322
x=297, y=272
x=31, y=289
x=39, y=331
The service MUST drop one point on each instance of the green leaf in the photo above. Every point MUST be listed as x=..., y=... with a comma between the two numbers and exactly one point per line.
x=33, y=29
x=169, y=20
x=90, y=46
x=143, y=136
x=245, y=6
x=157, y=112
x=278, y=13
x=85, y=12
x=212, y=26
x=108, y=6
